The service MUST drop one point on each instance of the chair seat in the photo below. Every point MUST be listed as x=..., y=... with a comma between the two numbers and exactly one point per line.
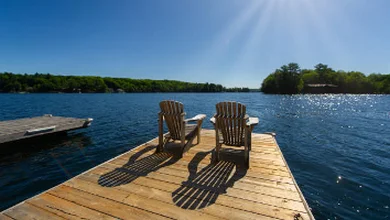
x=190, y=131
x=241, y=144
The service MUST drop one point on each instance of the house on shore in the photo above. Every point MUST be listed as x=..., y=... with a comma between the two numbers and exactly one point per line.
x=320, y=88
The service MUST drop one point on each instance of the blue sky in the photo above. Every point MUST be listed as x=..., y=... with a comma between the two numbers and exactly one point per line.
x=230, y=42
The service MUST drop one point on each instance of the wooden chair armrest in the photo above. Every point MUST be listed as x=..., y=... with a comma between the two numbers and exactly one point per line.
x=252, y=121
x=271, y=133
x=199, y=117
x=212, y=120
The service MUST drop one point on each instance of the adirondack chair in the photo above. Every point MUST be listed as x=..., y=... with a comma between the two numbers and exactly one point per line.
x=172, y=112
x=233, y=127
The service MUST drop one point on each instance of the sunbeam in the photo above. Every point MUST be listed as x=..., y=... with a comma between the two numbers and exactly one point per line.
x=227, y=38
x=329, y=40
x=247, y=54
x=222, y=41
x=301, y=27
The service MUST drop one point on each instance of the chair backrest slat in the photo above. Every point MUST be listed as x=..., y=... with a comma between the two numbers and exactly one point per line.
x=231, y=122
x=173, y=113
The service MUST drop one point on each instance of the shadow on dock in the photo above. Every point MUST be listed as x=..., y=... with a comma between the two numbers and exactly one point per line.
x=136, y=167
x=203, y=187
x=204, y=184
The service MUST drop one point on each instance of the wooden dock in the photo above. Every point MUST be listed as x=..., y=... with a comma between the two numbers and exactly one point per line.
x=142, y=184
x=19, y=129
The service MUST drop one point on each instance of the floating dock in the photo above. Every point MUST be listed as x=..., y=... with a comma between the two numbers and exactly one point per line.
x=142, y=184
x=19, y=129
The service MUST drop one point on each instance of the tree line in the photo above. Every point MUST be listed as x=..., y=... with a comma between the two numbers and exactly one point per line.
x=42, y=83
x=291, y=79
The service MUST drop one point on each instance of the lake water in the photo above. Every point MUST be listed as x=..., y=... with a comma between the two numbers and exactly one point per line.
x=337, y=146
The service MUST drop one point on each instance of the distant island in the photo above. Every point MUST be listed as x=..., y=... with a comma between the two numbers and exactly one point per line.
x=290, y=79
x=48, y=83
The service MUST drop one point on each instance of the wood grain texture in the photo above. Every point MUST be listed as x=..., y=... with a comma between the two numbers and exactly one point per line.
x=143, y=184
x=14, y=130
x=233, y=127
x=172, y=112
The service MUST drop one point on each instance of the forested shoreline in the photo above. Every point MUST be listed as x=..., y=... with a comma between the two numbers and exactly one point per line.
x=291, y=79
x=46, y=83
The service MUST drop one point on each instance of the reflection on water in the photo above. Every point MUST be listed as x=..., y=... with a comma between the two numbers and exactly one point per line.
x=30, y=166
x=337, y=146
x=23, y=148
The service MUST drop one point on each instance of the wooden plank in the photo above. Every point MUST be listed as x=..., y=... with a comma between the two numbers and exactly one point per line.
x=28, y=211
x=134, y=200
x=310, y=214
x=243, y=187
x=66, y=209
x=253, y=172
x=4, y=217
x=165, y=195
x=181, y=171
x=107, y=206
x=268, y=198
x=31, y=127
x=143, y=184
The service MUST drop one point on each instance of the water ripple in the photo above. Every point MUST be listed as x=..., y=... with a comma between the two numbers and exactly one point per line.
x=336, y=145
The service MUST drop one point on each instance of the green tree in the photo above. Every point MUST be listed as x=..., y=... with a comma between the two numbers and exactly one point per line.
x=289, y=79
x=310, y=77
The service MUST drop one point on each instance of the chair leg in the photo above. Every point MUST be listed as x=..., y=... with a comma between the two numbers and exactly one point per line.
x=182, y=146
x=218, y=149
x=250, y=141
x=250, y=137
x=247, y=160
x=182, y=134
x=199, y=128
x=217, y=145
x=198, y=136
x=160, y=146
x=247, y=147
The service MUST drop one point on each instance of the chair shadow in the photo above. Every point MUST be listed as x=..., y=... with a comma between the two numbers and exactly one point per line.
x=203, y=187
x=173, y=147
x=136, y=167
